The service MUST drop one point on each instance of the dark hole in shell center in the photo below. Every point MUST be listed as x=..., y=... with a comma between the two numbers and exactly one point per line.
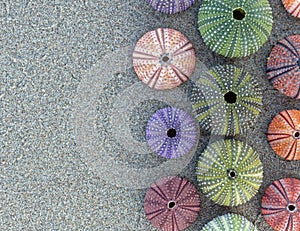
x=230, y=97
x=298, y=62
x=291, y=208
x=171, y=204
x=171, y=133
x=297, y=135
x=231, y=174
x=165, y=59
x=239, y=14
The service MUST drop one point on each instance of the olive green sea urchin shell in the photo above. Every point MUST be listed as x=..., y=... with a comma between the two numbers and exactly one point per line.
x=229, y=222
x=229, y=172
x=235, y=28
x=229, y=101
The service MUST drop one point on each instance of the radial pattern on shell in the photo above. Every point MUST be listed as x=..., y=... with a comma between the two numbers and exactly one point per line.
x=229, y=100
x=164, y=58
x=229, y=172
x=292, y=6
x=170, y=6
x=171, y=132
x=235, y=28
x=281, y=205
x=229, y=222
x=283, y=66
x=172, y=203
x=284, y=134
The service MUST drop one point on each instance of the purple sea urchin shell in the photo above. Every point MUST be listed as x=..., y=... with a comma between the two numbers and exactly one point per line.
x=171, y=132
x=172, y=203
x=170, y=6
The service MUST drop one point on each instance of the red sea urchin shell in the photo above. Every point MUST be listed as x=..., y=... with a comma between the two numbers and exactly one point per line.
x=284, y=134
x=172, y=203
x=293, y=7
x=164, y=58
x=281, y=205
x=283, y=67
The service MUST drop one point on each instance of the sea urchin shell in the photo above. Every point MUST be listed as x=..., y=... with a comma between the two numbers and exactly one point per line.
x=172, y=203
x=281, y=205
x=164, y=58
x=229, y=102
x=292, y=6
x=170, y=6
x=283, y=67
x=171, y=132
x=235, y=28
x=284, y=134
x=229, y=172
x=229, y=222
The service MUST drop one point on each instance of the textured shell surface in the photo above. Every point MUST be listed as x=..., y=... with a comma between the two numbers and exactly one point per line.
x=293, y=7
x=283, y=66
x=164, y=58
x=171, y=132
x=235, y=28
x=170, y=6
x=230, y=100
x=281, y=205
x=172, y=203
x=229, y=222
x=284, y=134
x=229, y=172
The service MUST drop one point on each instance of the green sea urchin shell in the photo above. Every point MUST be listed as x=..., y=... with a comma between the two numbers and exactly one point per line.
x=229, y=100
x=229, y=222
x=235, y=28
x=229, y=172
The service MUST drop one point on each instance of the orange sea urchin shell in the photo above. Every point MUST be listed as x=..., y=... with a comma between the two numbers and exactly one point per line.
x=284, y=134
x=292, y=6
x=172, y=203
x=164, y=58
x=283, y=67
x=281, y=205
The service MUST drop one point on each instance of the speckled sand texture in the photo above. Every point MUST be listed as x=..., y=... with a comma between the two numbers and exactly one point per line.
x=73, y=153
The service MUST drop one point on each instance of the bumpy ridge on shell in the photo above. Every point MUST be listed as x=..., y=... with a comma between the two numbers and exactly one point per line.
x=229, y=222
x=281, y=205
x=164, y=58
x=172, y=203
x=229, y=172
x=235, y=37
x=224, y=117
x=283, y=66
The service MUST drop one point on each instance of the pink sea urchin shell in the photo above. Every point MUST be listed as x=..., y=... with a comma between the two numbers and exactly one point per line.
x=172, y=203
x=281, y=205
x=292, y=6
x=164, y=58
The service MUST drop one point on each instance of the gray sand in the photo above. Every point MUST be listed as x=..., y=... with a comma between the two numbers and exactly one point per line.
x=51, y=175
